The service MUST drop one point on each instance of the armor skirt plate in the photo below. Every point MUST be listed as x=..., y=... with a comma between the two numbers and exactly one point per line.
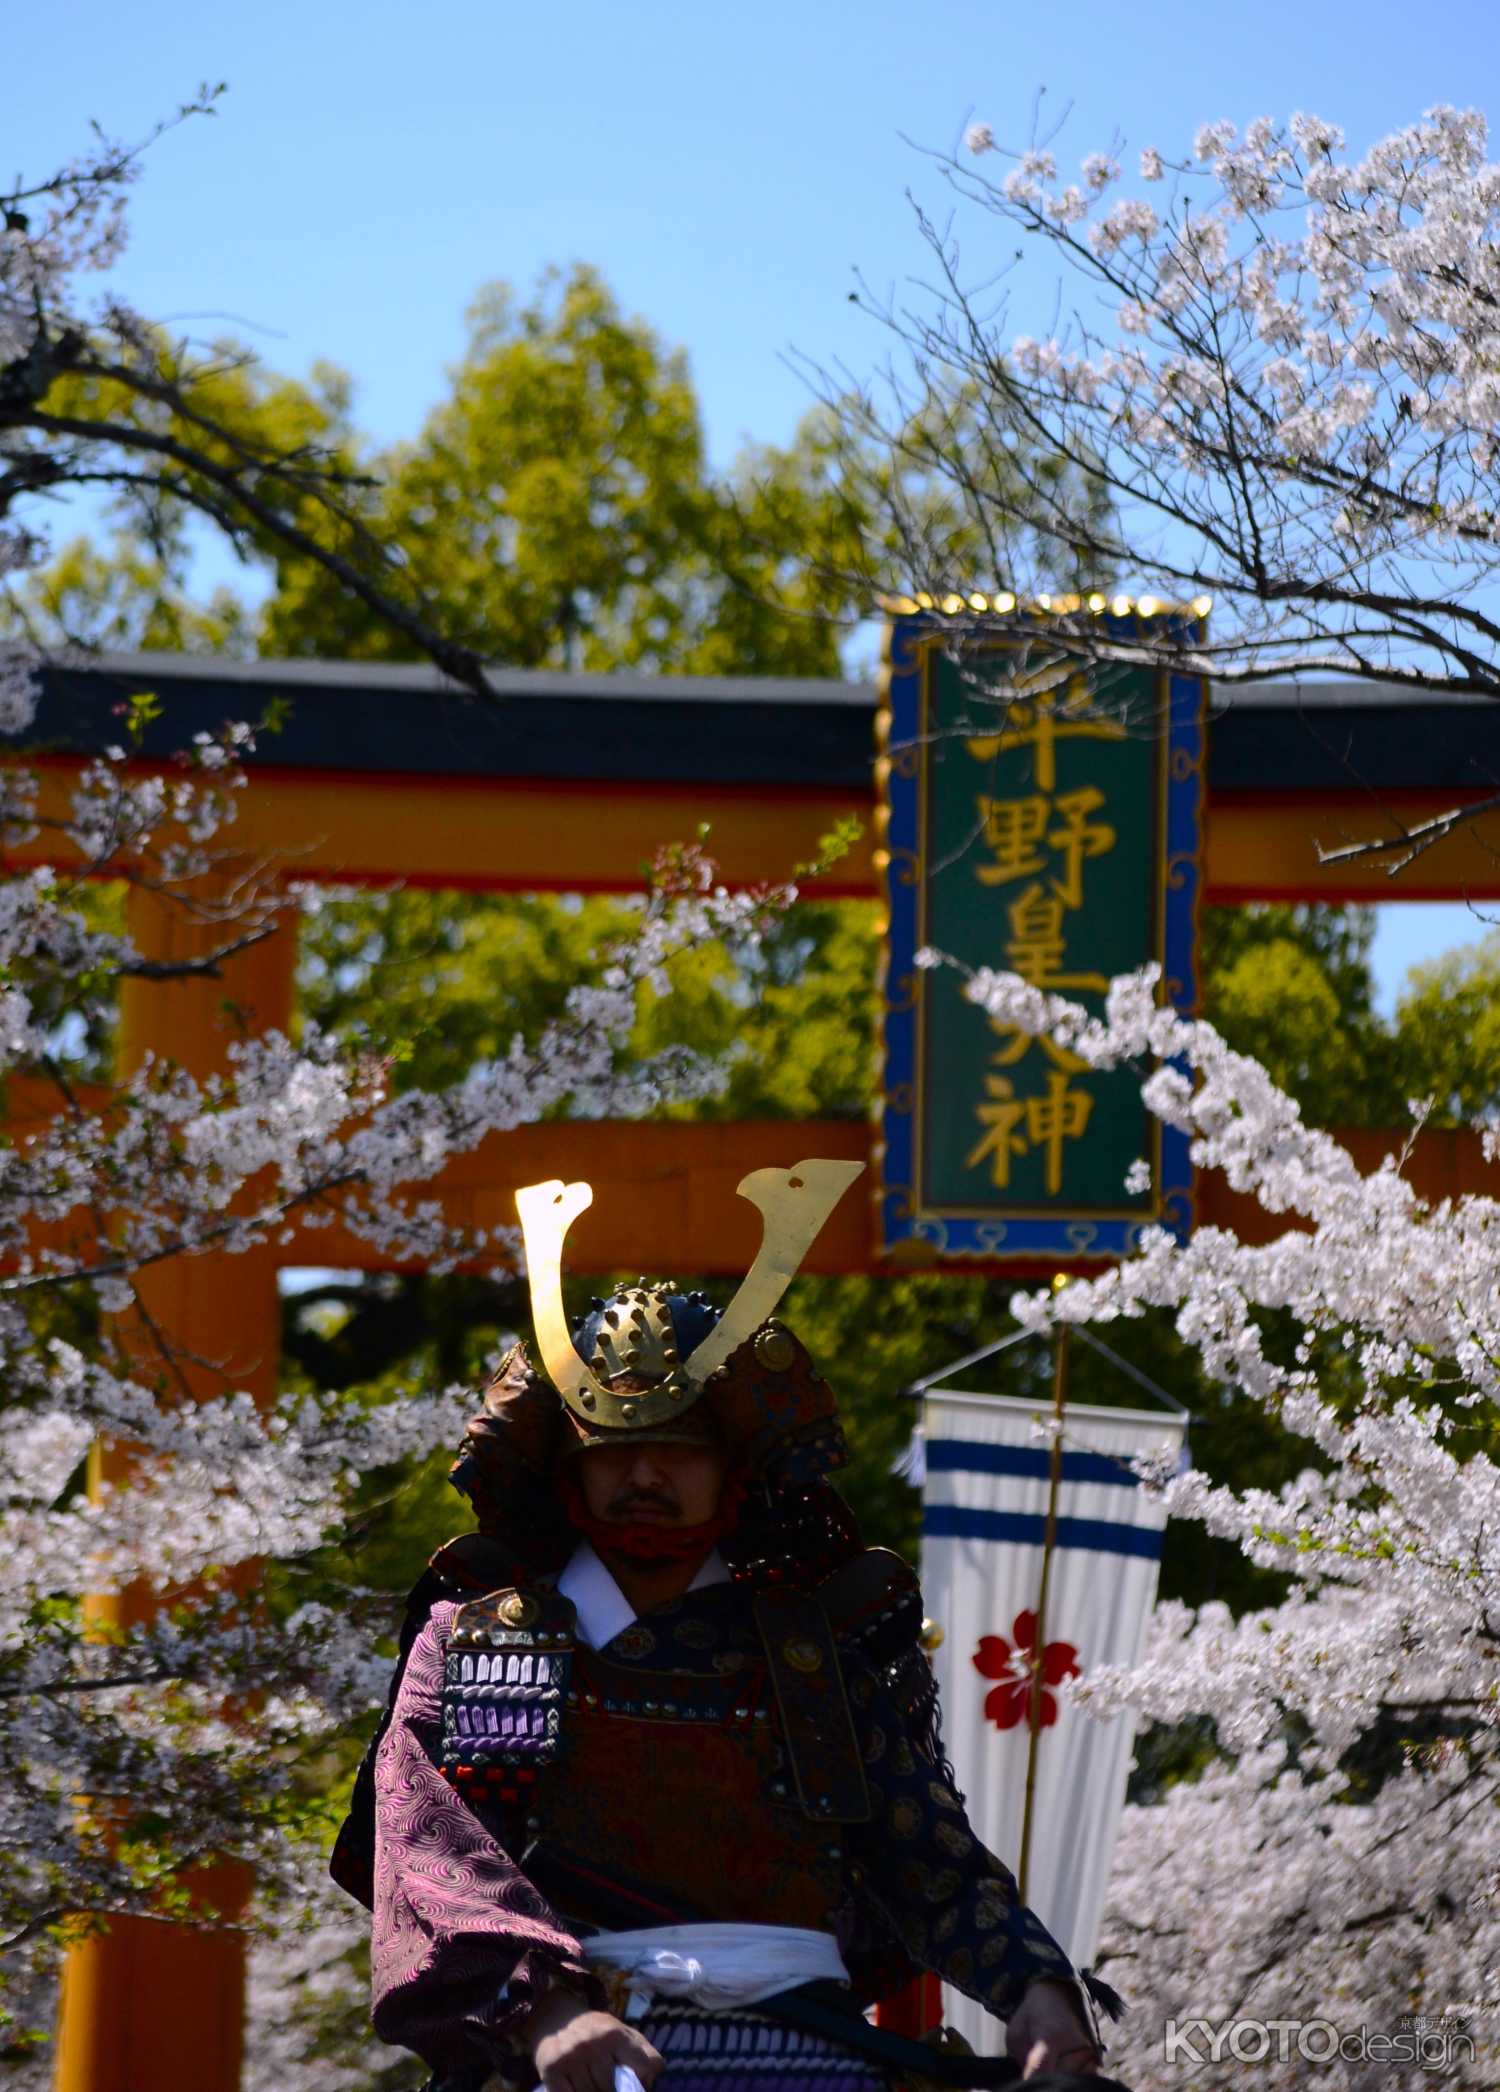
x=746, y=2051
x=741, y=2051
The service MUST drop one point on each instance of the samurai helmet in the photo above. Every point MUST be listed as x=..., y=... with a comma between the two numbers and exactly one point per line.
x=651, y=1351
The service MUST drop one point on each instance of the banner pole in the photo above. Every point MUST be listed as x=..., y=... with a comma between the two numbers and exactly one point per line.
x=1039, y=1645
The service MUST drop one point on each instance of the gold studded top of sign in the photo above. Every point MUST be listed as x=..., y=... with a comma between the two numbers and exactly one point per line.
x=638, y=1337
x=976, y=603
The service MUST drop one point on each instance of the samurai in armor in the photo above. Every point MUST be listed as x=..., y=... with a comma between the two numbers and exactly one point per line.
x=660, y=1789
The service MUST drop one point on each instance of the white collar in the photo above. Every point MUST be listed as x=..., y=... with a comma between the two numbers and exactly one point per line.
x=602, y=1607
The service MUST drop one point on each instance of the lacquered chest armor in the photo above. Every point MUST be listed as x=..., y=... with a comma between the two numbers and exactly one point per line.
x=643, y=1767
x=678, y=1784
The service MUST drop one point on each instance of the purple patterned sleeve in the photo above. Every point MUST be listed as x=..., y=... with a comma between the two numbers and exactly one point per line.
x=455, y=1920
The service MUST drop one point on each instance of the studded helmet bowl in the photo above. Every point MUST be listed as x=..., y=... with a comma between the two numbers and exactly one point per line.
x=635, y=1342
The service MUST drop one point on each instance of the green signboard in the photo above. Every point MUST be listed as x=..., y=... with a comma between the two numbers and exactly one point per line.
x=1043, y=820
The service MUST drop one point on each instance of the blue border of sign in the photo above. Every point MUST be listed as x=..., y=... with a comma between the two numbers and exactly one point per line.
x=908, y=1235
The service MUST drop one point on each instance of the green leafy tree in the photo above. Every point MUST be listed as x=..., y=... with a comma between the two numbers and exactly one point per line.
x=557, y=497
x=437, y=981
x=1448, y=1025
x=1293, y=987
x=132, y=598
x=557, y=504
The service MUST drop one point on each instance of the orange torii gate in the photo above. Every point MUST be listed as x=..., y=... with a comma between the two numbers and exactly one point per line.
x=568, y=783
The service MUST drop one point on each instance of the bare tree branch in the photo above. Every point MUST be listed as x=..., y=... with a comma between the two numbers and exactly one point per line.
x=71, y=383
x=1411, y=843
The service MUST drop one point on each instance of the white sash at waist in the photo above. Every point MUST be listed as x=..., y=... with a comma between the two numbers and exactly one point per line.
x=715, y=1966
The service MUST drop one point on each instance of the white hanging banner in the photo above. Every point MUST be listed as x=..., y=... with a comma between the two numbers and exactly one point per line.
x=988, y=1469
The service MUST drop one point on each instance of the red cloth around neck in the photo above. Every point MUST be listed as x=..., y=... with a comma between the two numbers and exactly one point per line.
x=646, y=1541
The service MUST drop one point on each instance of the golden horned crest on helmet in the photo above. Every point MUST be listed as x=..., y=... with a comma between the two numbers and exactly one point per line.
x=637, y=1336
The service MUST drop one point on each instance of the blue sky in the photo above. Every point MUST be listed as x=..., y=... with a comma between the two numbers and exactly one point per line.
x=1406, y=933
x=726, y=167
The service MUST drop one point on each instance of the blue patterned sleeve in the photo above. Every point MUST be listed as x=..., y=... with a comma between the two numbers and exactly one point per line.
x=953, y=1906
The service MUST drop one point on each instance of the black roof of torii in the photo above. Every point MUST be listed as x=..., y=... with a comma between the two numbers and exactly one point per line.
x=626, y=727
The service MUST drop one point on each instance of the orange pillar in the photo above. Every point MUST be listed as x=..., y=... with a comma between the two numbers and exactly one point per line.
x=149, y=2006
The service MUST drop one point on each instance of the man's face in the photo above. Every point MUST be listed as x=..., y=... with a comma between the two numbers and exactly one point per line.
x=652, y=1482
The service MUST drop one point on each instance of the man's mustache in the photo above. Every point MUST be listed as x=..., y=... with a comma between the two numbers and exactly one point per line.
x=642, y=1500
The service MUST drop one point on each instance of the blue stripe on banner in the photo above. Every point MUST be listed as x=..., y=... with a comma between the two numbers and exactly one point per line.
x=1093, y=1535
x=968, y=1456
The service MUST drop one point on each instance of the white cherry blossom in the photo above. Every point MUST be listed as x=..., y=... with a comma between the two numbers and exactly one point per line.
x=290, y=1130
x=1279, y=360
x=1369, y=1325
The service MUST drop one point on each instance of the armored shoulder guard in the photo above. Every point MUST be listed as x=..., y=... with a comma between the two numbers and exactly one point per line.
x=875, y=1605
x=506, y=1673
x=473, y=1564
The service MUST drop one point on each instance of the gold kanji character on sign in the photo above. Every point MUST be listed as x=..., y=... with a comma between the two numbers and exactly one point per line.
x=1002, y=1117
x=1015, y=1045
x=1038, y=944
x=1076, y=839
x=1014, y=829
x=1052, y=1120
x=1041, y=722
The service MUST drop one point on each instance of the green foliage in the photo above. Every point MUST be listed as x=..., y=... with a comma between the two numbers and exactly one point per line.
x=1449, y=1026
x=556, y=502
x=438, y=981
x=1166, y=1753
x=558, y=506
x=128, y=600
x=797, y=1025
x=556, y=509
x=1292, y=986
x=287, y=441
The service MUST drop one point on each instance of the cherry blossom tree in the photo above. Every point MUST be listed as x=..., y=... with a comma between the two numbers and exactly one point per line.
x=1358, y=1774
x=1281, y=366
x=100, y=1184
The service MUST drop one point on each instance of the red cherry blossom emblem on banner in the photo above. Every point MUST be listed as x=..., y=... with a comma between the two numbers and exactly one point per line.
x=1015, y=1664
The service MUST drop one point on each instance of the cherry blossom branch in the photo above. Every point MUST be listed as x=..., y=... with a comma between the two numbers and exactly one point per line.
x=1367, y=1887
x=1290, y=400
